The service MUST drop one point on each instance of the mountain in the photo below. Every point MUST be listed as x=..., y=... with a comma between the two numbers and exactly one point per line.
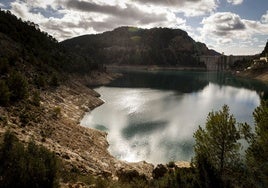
x=135, y=46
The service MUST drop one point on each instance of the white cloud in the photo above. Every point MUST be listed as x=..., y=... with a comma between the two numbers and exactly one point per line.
x=225, y=29
x=187, y=7
x=224, y=41
x=264, y=18
x=222, y=26
x=43, y=3
x=235, y=2
x=84, y=17
x=22, y=10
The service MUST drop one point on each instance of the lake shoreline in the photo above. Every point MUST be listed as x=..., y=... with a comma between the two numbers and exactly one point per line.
x=261, y=74
x=141, y=80
x=77, y=146
x=152, y=68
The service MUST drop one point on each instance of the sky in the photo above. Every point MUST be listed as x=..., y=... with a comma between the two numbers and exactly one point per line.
x=234, y=27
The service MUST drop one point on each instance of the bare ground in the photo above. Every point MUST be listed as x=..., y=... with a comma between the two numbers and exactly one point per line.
x=58, y=129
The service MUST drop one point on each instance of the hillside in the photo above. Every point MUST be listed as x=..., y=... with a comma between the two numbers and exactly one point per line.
x=43, y=96
x=265, y=50
x=135, y=46
x=258, y=68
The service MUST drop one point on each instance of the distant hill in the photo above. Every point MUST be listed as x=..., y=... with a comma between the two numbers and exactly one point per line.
x=135, y=46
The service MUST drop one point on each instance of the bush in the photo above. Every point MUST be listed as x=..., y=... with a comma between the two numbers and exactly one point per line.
x=159, y=171
x=56, y=112
x=31, y=166
x=54, y=81
x=36, y=98
x=171, y=164
x=4, y=66
x=4, y=93
x=18, y=86
x=40, y=81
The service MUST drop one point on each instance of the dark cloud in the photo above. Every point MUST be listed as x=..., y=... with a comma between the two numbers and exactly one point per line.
x=92, y=7
x=118, y=16
x=129, y=12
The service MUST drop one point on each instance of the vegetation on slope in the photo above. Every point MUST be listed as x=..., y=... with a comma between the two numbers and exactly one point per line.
x=264, y=53
x=135, y=46
x=31, y=59
x=30, y=166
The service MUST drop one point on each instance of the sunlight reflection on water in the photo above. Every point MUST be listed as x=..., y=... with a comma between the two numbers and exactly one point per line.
x=158, y=126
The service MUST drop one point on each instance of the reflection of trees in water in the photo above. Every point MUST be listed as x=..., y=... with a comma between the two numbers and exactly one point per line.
x=143, y=128
x=221, y=79
x=184, y=83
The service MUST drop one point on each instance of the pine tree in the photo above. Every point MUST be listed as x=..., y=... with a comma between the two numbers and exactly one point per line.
x=218, y=142
x=257, y=153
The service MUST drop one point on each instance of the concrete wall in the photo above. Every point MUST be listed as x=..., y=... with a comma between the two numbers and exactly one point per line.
x=221, y=62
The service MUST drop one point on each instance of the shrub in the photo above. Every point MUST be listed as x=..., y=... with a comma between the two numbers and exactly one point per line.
x=171, y=164
x=25, y=117
x=4, y=66
x=31, y=166
x=54, y=81
x=40, y=81
x=18, y=86
x=56, y=112
x=4, y=93
x=36, y=98
x=159, y=171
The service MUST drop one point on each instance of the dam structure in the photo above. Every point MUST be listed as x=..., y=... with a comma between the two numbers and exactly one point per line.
x=221, y=62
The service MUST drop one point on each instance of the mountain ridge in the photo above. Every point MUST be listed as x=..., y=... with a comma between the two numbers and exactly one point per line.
x=136, y=46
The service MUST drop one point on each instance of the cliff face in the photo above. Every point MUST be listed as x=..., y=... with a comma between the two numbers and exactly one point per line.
x=134, y=46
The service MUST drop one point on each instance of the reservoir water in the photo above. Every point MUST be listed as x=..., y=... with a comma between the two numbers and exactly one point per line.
x=152, y=115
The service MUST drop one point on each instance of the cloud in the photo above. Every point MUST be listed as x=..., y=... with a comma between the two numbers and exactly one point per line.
x=223, y=24
x=264, y=18
x=187, y=7
x=131, y=12
x=228, y=31
x=235, y=2
x=22, y=10
x=226, y=25
x=43, y=4
x=84, y=17
x=167, y=3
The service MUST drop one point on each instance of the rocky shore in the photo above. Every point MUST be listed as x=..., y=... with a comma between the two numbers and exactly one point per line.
x=260, y=74
x=59, y=130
